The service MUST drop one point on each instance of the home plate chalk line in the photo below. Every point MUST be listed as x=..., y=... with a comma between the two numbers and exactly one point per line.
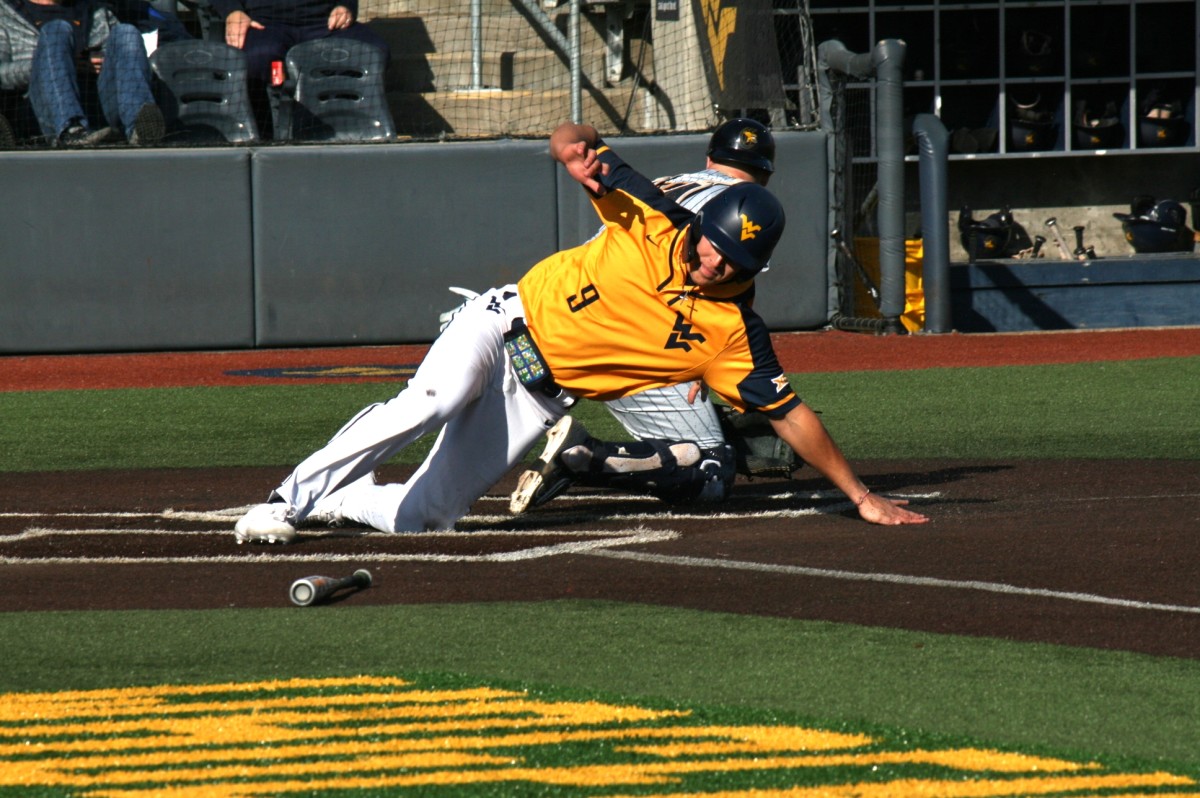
x=592, y=542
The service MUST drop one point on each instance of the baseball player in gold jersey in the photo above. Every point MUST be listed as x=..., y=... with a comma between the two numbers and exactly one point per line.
x=659, y=297
x=684, y=448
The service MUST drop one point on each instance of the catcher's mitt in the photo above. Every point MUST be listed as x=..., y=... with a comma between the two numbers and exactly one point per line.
x=758, y=450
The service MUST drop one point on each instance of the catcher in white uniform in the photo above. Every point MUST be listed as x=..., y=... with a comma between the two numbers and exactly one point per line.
x=661, y=291
x=663, y=421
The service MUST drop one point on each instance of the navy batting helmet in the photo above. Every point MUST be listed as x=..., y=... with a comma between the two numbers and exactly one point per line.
x=1162, y=122
x=1031, y=126
x=744, y=223
x=743, y=142
x=1098, y=126
x=986, y=238
x=1160, y=227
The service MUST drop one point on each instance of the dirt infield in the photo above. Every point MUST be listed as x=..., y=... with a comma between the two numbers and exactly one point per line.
x=1089, y=553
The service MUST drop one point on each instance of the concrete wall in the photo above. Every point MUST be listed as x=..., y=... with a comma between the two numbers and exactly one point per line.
x=125, y=250
x=226, y=248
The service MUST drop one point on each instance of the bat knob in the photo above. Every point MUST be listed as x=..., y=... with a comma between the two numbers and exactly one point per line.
x=1053, y=220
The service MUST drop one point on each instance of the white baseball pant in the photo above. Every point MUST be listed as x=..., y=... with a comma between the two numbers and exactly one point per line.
x=466, y=387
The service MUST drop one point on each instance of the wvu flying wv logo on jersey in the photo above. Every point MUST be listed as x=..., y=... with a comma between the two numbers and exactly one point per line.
x=681, y=334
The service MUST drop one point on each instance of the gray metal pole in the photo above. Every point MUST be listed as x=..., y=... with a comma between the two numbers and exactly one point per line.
x=888, y=57
x=932, y=148
x=476, y=44
x=576, y=65
x=834, y=55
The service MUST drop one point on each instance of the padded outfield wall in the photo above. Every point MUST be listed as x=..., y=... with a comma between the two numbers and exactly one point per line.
x=229, y=248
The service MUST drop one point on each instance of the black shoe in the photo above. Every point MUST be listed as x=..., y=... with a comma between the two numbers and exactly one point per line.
x=80, y=136
x=7, y=140
x=148, y=126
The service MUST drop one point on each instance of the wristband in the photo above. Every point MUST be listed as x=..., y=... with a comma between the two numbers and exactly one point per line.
x=858, y=502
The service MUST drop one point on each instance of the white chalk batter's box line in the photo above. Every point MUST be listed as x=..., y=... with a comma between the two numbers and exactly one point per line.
x=597, y=543
x=831, y=502
x=477, y=526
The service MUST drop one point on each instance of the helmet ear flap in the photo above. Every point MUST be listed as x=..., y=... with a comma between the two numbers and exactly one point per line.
x=693, y=238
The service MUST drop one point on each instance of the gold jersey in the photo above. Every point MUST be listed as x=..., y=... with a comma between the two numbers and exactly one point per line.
x=617, y=315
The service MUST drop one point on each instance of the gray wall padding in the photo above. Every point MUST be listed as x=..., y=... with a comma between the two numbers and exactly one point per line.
x=125, y=250
x=792, y=294
x=357, y=244
x=227, y=248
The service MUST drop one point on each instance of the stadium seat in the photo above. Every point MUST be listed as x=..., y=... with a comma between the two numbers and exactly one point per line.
x=203, y=92
x=337, y=93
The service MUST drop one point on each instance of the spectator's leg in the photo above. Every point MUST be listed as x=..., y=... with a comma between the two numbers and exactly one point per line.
x=54, y=84
x=125, y=79
x=261, y=48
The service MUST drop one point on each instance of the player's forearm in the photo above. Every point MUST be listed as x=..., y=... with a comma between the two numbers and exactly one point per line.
x=802, y=429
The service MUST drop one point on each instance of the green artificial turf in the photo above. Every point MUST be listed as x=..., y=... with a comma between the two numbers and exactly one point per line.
x=1066, y=701
x=1133, y=409
x=1075, y=702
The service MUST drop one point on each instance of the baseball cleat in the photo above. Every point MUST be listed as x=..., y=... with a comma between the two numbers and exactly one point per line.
x=265, y=523
x=550, y=476
x=327, y=512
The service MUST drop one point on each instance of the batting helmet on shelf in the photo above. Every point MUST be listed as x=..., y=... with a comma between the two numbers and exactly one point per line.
x=1031, y=126
x=1161, y=122
x=990, y=237
x=744, y=223
x=1156, y=226
x=1098, y=127
x=743, y=142
x=1034, y=54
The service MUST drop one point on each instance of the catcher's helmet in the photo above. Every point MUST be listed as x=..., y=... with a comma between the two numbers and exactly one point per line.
x=743, y=142
x=744, y=223
x=1156, y=226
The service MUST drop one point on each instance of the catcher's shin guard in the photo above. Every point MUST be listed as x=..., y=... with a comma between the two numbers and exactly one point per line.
x=674, y=472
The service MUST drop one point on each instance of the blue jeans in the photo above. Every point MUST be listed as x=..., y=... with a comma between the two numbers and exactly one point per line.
x=123, y=83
